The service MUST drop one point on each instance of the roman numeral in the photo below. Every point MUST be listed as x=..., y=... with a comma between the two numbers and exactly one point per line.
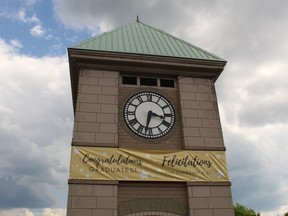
x=140, y=99
x=158, y=99
x=131, y=112
x=140, y=128
x=133, y=121
x=131, y=104
x=164, y=107
x=167, y=114
x=167, y=124
x=149, y=97
x=149, y=131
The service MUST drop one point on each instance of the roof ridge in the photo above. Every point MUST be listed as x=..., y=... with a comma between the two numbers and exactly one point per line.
x=103, y=33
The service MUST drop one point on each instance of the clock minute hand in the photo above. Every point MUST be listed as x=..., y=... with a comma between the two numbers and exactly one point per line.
x=150, y=113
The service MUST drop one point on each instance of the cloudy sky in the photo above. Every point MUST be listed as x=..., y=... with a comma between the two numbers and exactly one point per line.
x=36, y=116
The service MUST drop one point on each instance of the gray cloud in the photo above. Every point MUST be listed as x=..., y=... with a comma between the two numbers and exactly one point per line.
x=35, y=129
x=264, y=111
x=109, y=14
x=16, y=195
x=233, y=29
x=256, y=170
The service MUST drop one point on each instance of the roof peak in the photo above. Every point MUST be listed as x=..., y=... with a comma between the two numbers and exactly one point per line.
x=139, y=38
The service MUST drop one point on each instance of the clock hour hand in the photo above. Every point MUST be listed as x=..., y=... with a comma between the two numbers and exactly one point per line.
x=155, y=114
x=148, y=119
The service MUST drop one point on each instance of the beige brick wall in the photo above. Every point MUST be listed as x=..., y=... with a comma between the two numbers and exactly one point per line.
x=210, y=201
x=92, y=200
x=99, y=122
x=96, y=117
x=200, y=116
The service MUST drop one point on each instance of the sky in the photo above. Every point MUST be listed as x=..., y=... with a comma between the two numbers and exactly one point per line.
x=36, y=116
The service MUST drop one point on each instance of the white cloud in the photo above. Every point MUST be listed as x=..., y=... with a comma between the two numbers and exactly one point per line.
x=282, y=210
x=28, y=212
x=22, y=15
x=54, y=212
x=25, y=19
x=15, y=43
x=16, y=212
x=37, y=31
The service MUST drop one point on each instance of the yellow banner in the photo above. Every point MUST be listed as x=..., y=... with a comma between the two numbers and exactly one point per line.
x=147, y=165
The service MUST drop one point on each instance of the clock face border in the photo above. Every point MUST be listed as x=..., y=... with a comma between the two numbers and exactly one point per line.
x=148, y=114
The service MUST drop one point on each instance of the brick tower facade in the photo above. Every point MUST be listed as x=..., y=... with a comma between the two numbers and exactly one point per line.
x=142, y=99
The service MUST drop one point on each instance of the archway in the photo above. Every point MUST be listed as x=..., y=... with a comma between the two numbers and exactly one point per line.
x=152, y=207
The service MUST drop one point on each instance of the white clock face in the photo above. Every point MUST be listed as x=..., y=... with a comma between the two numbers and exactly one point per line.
x=149, y=115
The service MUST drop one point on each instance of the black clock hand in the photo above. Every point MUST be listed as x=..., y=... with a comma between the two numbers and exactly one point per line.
x=155, y=114
x=148, y=119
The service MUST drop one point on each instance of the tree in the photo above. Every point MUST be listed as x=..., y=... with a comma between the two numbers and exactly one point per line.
x=241, y=210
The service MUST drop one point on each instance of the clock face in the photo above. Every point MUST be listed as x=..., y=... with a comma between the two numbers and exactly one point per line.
x=149, y=115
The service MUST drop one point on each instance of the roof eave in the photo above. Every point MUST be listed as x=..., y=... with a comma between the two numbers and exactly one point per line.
x=139, y=63
x=185, y=64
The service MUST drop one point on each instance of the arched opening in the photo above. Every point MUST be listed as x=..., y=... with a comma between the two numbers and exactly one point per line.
x=152, y=207
x=153, y=214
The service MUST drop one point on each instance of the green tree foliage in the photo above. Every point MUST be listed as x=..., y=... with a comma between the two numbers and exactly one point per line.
x=241, y=210
x=286, y=214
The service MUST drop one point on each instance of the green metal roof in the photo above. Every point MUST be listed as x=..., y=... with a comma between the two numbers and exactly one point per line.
x=139, y=38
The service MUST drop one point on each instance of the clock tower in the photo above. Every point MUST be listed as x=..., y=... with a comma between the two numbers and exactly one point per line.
x=147, y=138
